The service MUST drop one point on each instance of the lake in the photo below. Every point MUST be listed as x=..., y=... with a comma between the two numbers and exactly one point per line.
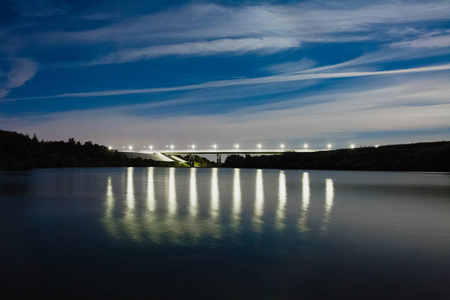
x=224, y=233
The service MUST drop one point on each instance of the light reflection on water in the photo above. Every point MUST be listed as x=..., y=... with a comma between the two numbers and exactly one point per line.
x=178, y=222
x=329, y=197
x=237, y=197
x=259, y=201
x=305, y=202
x=151, y=203
x=274, y=232
x=281, y=201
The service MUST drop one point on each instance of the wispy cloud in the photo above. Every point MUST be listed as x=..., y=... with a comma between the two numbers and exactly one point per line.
x=20, y=71
x=266, y=44
x=208, y=28
x=237, y=82
x=411, y=105
x=441, y=41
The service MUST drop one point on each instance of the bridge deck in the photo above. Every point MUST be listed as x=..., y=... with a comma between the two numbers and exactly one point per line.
x=225, y=151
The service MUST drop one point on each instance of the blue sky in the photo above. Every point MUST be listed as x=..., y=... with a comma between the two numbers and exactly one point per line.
x=202, y=72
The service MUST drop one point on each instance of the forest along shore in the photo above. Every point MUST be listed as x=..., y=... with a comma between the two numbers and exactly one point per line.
x=19, y=151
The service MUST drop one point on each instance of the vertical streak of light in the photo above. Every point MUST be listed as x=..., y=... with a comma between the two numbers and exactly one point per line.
x=109, y=198
x=151, y=224
x=130, y=190
x=306, y=193
x=130, y=212
x=259, y=201
x=193, y=200
x=172, y=199
x=151, y=204
x=237, y=198
x=214, y=194
x=108, y=219
x=281, y=201
x=329, y=199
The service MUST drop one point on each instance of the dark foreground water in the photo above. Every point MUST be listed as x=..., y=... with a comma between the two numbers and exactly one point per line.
x=224, y=233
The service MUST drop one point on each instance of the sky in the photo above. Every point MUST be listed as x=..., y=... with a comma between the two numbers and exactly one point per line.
x=142, y=73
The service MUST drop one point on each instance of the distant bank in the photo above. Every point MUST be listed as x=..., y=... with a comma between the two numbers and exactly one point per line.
x=18, y=151
x=427, y=157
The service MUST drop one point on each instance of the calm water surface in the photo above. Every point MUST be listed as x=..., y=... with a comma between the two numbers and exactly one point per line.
x=224, y=233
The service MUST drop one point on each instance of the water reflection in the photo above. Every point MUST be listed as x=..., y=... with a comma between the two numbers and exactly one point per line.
x=329, y=197
x=159, y=210
x=130, y=212
x=172, y=194
x=151, y=203
x=305, y=202
x=259, y=201
x=108, y=218
x=193, y=201
x=130, y=190
x=214, y=194
x=281, y=201
x=237, y=198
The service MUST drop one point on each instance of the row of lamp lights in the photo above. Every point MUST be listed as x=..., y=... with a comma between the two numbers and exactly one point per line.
x=235, y=146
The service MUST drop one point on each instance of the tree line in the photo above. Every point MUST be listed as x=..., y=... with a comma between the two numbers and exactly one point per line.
x=427, y=157
x=19, y=151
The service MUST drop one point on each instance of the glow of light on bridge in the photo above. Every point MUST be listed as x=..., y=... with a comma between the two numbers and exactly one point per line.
x=282, y=198
x=305, y=202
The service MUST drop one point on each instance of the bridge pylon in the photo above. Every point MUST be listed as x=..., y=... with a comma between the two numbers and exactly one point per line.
x=219, y=159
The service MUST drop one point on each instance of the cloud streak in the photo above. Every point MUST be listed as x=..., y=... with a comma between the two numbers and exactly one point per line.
x=381, y=108
x=266, y=44
x=21, y=70
x=237, y=82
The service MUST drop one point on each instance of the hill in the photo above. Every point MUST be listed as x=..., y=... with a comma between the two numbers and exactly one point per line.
x=18, y=151
x=429, y=157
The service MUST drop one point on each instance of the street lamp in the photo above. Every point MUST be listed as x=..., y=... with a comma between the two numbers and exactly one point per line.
x=215, y=146
x=236, y=146
x=282, y=146
x=171, y=147
x=109, y=147
x=329, y=146
x=259, y=146
x=352, y=146
x=193, y=147
x=130, y=147
x=306, y=146
x=150, y=147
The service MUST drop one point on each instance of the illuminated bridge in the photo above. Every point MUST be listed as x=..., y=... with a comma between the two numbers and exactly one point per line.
x=171, y=154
